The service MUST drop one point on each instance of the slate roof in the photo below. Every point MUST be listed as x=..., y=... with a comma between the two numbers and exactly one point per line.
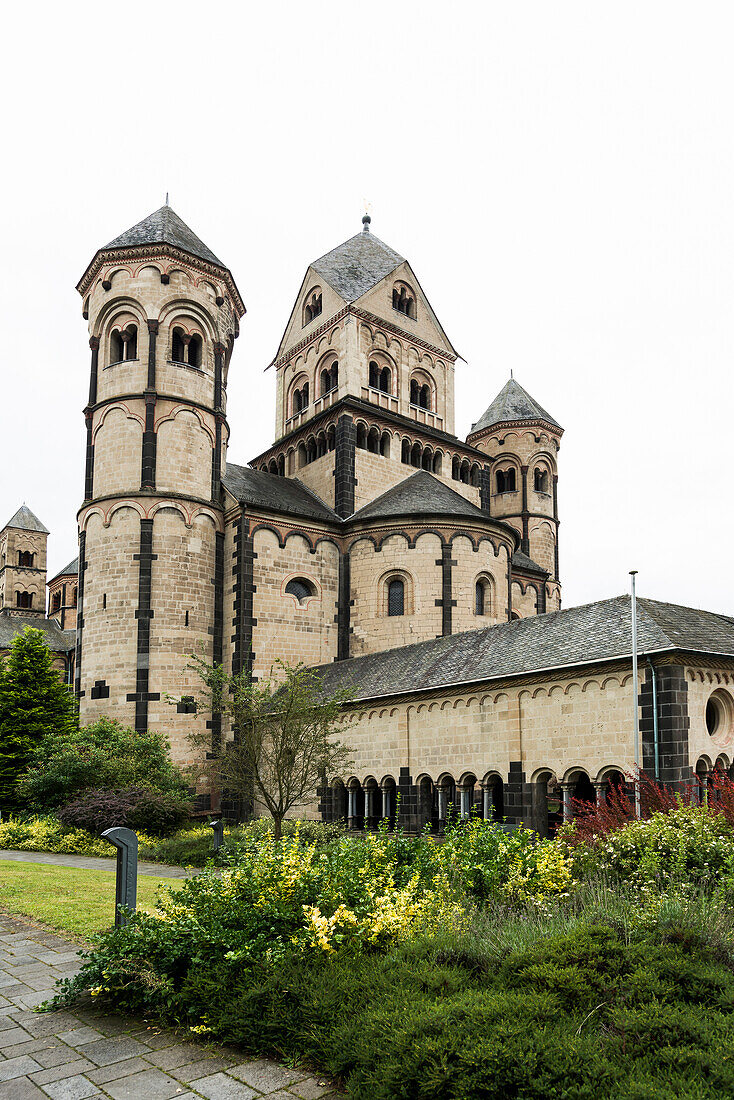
x=25, y=520
x=354, y=267
x=593, y=633
x=419, y=494
x=70, y=570
x=164, y=226
x=525, y=564
x=279, y=494
x=58, y=640
x=513, y=403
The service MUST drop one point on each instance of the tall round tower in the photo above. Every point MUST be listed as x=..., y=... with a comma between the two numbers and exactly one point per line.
x=163, y=315
x=523, y=441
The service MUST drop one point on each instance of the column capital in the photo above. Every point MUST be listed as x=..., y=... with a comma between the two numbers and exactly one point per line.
x=153, y=327
x=94, y=343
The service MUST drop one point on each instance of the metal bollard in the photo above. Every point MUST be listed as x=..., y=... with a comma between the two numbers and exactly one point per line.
x=218, y=838
x=126, y=886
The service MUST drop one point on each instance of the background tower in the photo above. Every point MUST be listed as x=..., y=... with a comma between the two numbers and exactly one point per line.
x=523, y=441
x=163, y=314
x=23, y=565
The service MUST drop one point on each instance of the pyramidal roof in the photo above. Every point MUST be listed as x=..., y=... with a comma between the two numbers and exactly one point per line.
x=354, y=267
x=69, y=570
x=165, y=227
x=513, y=403
x=420, y=493
x=25, y=520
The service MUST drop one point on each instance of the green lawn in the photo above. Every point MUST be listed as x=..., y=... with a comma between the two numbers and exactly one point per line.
x=68, y=898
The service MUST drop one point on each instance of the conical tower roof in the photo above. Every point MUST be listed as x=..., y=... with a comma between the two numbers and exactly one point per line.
x=25, y=520
x=513, y=403
x=164, y=226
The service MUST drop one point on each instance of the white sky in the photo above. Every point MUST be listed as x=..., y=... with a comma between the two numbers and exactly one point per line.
x=560, y=176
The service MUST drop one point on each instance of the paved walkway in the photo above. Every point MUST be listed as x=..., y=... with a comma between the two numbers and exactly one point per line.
x=71, y=1055
x=96, y=863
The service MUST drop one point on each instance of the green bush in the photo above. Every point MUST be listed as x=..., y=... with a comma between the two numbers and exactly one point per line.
x=104, y=755
x=47, y=834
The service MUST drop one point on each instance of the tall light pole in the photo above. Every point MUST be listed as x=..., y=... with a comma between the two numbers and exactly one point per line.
x=635, y=693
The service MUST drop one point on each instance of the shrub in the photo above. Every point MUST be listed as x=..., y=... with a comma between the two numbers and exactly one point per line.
x=150, y=811
x=34, y=704
x=104, y=755
x=47, y=834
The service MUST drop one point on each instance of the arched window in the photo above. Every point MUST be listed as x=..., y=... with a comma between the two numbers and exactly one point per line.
x=194, y=351
x=405, y=452
x=420, y=394
x=540, y=480
x=455, y=468
x=299, y=398
x=362, y=436
x=56, y=602
x=403, y=300
x=25, y=558
x=329, y=378
x=385, y=445
x=373, y=440
x=301, y=589
x=506, y=481
x=130, y=342
x=483, y=596
x=24, y=599
x=396, y=597
x=177, y=346
x=312, y=306
x=117, y=348
x=73, y=597
x=380, y=378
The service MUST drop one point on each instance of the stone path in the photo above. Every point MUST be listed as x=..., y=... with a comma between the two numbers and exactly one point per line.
x=95, y=863
x=71, y=1055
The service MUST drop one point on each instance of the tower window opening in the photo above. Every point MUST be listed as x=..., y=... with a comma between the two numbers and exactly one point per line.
x=380, y=378
x=56, y=602
x=24, y=600
x=177, y=346
x=482, y=597
x=301, y=589
x=403, y=300
x=194, y=351
x=362, y=437
x=420, y=395
x=300, y=399
x=506, y=481
x=25, y=558
x=312, y=308
x=73, y=597
x=396, y=597
x=130, y=340
x=540, y=480
x=329, y=378
x=116, y=348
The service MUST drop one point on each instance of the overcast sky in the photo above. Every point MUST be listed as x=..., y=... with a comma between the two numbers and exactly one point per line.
x=560, y=176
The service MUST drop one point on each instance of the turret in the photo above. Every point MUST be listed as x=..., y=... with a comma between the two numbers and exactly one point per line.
x=163, y=314
x=523, y=441
x=23, y=565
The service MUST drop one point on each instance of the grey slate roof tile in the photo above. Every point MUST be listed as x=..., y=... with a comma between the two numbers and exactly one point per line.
x=512, y=403
x=354, y=267
x=25, y=520
x=164, y=226
x=72, y=569
x=590, y=634
x=421, y=493
x=521, y=562
x=58, y=640
x=279, y=494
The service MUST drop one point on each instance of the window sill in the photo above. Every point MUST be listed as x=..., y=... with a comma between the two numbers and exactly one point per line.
x=405, y=315
x=177, y=363
x=421, y=408
x=307, y=323
x=121, y=363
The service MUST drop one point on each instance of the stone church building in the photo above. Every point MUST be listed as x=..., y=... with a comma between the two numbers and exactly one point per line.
x=417, y=567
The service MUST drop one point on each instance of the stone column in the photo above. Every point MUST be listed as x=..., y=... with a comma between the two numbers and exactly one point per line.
x=442, y=806
x=487, y=806
x=351, y=806
x=464, y=803
x=566, y=795
x=385, y=803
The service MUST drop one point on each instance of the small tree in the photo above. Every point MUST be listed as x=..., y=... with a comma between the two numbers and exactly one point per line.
x=34, y=703
x=285, y=734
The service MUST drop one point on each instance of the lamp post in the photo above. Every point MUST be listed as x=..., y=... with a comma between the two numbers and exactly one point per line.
x=635, y=694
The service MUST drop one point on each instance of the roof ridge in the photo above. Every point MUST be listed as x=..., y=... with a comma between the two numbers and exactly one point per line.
x=501, y=408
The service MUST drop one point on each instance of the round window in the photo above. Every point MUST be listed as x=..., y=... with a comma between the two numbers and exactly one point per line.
x=719, y=713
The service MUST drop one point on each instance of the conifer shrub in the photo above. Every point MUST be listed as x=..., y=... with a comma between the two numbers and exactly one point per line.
x=34, y=705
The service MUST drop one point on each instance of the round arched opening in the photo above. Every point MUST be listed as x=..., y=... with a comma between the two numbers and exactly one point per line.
x=719, y=712
x=301, y=589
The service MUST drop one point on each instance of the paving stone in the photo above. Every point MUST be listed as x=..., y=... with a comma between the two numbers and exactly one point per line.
x=32, y=1046
x=6, y=1023
x=203, y=1068
x=64, y=1069
x=106, y=1051
x=17, y=1067
x=182, y=1054
x=117, y=1070
x=73, y=1088
x=13, y=1036
x=45, y=1024
x=158, y=1040
x=266, y=1076
x=58, y=1054
x=21, y=1088
x=312, y=1089
x=79, y=1036
x=219, y=1086
x=151, y=1084
x=34, y=999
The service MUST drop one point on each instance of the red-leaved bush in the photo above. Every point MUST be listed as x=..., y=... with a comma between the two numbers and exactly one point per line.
x=617, y=807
